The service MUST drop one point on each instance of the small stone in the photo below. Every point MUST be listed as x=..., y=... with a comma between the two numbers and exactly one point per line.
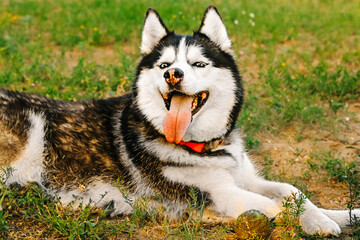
x=252, y=224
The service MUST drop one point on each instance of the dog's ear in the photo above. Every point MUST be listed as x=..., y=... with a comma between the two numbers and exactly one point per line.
x=154, y=30
x=213, y=27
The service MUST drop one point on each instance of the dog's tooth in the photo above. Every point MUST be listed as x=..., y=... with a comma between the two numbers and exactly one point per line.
x=194, y=103
x=203, y=95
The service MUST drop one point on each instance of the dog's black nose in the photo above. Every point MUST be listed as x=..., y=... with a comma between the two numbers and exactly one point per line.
x=173, y=76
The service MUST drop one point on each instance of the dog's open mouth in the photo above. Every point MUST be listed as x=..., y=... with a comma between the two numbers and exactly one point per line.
x=198, y=101
x=181, y=108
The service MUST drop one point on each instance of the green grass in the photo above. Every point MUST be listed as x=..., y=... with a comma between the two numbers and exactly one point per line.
x=300, y=61
x=286, y=95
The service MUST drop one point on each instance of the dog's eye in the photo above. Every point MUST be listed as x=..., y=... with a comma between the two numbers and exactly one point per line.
x=164, y=65
x=199, y=64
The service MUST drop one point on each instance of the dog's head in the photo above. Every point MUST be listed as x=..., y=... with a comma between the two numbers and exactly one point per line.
x=188, y=87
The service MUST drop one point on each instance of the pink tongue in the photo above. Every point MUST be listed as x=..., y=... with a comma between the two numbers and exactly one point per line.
x=178, y=118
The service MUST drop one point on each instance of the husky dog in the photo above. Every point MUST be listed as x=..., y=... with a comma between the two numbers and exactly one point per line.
x=173, y=133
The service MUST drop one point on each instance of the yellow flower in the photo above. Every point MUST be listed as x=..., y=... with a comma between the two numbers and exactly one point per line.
x=283, y=64
x=82, y=26
x=14, y=18
x=95, y=29
x=307, y=159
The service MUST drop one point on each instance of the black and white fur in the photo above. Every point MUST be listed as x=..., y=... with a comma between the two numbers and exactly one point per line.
x=78, y=151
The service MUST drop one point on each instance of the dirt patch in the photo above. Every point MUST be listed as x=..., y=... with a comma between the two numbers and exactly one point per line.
x=99, y=55
x=291, y=156
x=102, y=55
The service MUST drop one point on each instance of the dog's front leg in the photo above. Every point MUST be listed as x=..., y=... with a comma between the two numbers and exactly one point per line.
x=226, y=197
x=313, y=220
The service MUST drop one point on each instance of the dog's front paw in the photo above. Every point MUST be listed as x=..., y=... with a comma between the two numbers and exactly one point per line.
x=318, y=223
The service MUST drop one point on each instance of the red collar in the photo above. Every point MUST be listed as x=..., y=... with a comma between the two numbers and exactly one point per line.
x=199, y=147
x=195, y=146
